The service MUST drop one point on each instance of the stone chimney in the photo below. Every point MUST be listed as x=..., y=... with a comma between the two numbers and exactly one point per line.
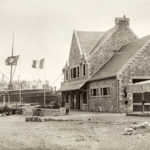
x=122, y=22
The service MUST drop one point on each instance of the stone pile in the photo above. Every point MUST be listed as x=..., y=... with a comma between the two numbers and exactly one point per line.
x=2, y=115
x=34, y=119
x=136, y=126
x=45, y=119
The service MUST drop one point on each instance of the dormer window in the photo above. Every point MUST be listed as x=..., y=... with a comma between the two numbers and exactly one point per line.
x=67, y=75
x=75, y=72
x=84, y=70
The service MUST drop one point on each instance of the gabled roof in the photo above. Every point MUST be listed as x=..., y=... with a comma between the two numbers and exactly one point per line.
x=88, y=39
x=112, y=67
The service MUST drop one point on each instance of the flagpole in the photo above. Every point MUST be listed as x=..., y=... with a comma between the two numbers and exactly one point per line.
x=20, y=93
x=44, y=85
x=10, y=86
x=20, y=98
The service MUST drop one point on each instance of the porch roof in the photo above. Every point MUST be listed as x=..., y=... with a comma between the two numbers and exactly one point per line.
x=140, y=87
x=72, y=85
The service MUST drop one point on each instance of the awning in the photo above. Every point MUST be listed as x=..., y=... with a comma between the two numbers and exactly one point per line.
x=140, y=87
x=69, y=86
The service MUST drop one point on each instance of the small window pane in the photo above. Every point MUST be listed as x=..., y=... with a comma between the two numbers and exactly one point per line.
x=84, y=70
x=94, y=92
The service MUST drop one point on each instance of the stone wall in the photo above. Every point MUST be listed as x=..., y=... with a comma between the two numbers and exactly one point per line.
x=84, y=107
x=137, y=66
x=105, y=103
x=114, y=39
x=123, y=82
x=54, y=112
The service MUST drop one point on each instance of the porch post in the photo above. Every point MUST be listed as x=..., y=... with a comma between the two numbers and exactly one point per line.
x=75, y=101
x=69, y=99
x=62, y=99
x=4, y=100
x=81, y=100
x=65, y=97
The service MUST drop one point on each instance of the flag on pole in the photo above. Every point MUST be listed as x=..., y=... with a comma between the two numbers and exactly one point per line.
x=12, y=60
x=38, y=64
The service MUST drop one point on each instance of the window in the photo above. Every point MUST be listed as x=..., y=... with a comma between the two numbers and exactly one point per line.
x=105, y=91
x=71, y=74
x=94, y=92
x=78, y=71
x=75, y=71
x=100, y=91
x=84, y=70
x=67, y=76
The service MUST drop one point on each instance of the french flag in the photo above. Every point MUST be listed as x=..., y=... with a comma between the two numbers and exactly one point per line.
x=38, y=64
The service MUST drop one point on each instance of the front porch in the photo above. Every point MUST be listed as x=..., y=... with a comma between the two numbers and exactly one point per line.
x=75, y=99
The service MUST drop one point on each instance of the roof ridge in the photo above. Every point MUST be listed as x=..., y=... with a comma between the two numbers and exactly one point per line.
x=94, y=45
x=76, y=35
x=89, y=31
x=100, y=40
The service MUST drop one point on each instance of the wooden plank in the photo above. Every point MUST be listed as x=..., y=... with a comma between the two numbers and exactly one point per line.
x=141, y=103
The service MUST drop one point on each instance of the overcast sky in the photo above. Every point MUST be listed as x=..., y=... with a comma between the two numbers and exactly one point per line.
x=43, y=29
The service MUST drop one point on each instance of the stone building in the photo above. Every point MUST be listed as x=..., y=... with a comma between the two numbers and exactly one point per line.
x=101, y=65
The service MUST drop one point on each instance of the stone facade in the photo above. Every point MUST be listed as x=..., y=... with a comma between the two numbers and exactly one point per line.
x=123, y=81
x=104, y=103
x=119, y=36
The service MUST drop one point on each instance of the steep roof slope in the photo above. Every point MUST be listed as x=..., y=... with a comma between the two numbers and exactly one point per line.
x=105, y=35
x=119, y=59
x=88, y=39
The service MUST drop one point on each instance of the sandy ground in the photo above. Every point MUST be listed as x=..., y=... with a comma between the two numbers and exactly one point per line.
x=85, y=131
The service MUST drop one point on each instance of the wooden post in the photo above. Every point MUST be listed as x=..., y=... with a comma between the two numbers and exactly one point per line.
x=4, y=100
x=81, y=100
x=75, y=101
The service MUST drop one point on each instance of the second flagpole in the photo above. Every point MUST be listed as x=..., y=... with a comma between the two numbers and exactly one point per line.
x=44, y=85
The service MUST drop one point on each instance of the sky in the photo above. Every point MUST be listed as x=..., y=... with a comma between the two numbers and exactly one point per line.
x=43, y=29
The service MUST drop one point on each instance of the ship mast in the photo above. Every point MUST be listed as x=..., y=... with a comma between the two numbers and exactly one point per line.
x=11, y=69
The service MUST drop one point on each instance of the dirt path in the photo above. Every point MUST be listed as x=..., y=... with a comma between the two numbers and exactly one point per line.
x=86, y=131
